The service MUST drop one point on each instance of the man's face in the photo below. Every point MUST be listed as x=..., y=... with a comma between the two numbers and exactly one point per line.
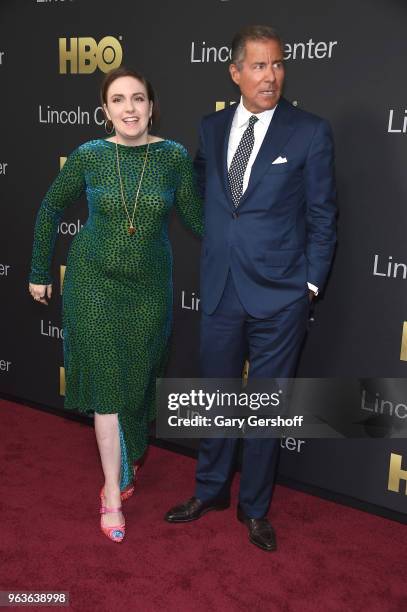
x=261, y=75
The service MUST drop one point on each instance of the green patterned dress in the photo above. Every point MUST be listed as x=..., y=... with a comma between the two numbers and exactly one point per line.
x=117, y=295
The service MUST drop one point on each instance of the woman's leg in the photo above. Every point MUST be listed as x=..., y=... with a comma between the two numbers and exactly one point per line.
x=108, y=440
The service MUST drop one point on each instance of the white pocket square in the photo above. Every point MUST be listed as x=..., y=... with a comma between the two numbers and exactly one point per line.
x=280, y=160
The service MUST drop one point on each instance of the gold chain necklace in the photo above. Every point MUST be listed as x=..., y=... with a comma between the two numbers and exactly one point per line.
x=131, y=229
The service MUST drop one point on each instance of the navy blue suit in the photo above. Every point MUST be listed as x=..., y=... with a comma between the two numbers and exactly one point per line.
x=256, y=262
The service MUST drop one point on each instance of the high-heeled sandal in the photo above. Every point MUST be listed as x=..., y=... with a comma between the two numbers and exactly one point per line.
x=115, y=533
x=128, y=491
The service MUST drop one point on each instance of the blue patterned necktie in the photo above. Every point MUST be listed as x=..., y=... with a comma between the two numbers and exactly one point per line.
x=239, y=162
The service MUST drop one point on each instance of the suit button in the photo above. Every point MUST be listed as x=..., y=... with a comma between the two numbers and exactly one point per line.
x=235, y=215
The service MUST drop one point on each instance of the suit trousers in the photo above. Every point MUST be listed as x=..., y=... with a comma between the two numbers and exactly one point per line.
x=228, y=337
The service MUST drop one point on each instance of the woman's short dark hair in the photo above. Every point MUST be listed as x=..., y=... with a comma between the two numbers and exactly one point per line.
x=123, y=71
x=254, y=32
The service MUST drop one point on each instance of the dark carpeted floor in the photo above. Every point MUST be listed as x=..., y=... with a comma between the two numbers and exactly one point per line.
x=330, y=557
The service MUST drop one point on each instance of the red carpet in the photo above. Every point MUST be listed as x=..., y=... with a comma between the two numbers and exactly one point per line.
x=330, y=558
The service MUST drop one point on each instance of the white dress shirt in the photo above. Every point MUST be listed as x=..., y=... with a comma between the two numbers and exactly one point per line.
x=239, y=124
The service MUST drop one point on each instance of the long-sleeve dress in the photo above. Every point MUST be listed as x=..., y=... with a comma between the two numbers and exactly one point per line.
x=117, y=294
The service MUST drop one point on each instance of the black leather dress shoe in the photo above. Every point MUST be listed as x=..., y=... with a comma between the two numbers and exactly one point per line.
x=193, y=509
x=261, y=533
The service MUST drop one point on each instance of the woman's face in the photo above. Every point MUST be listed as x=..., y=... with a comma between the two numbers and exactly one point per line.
x=129, y=109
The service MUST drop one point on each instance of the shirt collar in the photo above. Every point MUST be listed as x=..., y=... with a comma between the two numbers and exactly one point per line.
x=243, y=115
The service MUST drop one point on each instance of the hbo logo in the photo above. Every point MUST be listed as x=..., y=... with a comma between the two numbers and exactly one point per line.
x=84, y=55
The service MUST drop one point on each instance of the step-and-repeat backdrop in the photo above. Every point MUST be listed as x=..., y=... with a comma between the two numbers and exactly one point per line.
x=344, y=61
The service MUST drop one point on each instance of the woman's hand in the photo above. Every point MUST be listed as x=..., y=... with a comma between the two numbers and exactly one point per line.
x=40, y=292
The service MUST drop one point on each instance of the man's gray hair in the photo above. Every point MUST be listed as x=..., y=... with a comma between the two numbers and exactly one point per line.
x=254, y=32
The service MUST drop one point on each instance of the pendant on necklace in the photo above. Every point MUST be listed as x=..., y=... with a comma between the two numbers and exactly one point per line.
x=131, y=230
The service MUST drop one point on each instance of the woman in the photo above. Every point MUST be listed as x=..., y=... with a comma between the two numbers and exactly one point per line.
x=117, y=296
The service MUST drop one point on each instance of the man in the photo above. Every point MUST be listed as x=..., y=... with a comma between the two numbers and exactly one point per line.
x=266, y=171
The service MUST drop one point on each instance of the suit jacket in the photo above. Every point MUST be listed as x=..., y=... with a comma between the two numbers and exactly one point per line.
x=282, y=235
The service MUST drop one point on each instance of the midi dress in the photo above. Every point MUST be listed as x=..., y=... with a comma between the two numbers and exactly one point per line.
x=118, y=291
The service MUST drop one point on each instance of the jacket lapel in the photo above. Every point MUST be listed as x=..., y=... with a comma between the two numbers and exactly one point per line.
x=222, y=141
x=278, y=133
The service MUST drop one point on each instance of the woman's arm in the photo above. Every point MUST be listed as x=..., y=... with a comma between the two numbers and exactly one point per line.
x=188, y=201
x=66, y=188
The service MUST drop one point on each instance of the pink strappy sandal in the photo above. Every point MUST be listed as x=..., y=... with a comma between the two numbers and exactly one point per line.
x=116, y=532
